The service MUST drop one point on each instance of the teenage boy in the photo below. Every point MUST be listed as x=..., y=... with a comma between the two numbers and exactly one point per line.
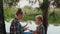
x=16, y=27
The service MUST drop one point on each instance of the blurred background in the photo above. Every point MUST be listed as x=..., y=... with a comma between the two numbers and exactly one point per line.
x=31, y=8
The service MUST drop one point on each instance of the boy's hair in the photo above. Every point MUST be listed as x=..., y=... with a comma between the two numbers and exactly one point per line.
x=39, y=17
x=19, y=11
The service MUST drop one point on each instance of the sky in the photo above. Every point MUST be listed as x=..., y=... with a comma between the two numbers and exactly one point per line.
x=23, y=3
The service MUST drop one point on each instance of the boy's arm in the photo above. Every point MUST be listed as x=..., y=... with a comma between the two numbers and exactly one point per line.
x=25, y=25
x=25, y=28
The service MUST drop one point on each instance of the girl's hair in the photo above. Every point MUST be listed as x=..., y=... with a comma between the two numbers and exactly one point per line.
x=39, y=17
x=19, y=11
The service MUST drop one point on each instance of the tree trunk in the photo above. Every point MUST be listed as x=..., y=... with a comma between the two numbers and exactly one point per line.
x=44, y=8
x=2, y=24
x=45, y=20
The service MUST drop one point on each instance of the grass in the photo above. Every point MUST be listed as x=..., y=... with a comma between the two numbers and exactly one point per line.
x=56, y=19
x=9, y=13
x=30, y=14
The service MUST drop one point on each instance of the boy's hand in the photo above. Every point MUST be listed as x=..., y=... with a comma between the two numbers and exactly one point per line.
x=26, y=28
x=30, y=30
x=34, y=32
x=25, y=25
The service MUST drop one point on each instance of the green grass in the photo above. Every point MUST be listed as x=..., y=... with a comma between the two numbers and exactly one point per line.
x=55, y=19
x=9, y=13
x=30, y=14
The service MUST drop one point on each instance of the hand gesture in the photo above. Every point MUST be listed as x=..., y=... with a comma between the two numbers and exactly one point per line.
x=25, y=25
x=30, y=30
x=26, y=28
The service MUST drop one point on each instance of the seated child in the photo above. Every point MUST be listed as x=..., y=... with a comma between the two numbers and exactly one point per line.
x=40, y=28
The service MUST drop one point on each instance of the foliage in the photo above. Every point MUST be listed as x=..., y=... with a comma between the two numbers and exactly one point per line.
x=11, y=3
x=30, y=14
x=9, y=13
x=57, y=3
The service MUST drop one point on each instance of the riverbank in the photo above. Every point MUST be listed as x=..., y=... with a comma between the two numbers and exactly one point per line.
x=52, y=29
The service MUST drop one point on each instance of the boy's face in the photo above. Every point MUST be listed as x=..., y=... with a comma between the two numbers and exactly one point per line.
x=20, y=16
x=38, y=21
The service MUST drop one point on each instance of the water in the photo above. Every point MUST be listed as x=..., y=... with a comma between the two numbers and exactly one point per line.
x=51, y=28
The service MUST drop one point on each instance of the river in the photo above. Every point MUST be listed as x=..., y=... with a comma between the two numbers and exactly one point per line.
x=52, y=29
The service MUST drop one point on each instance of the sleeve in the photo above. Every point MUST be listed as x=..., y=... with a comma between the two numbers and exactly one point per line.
x=13, y=27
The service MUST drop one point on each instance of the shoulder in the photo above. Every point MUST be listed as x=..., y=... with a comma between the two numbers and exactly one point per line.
x=14, y=23
x=14, y=20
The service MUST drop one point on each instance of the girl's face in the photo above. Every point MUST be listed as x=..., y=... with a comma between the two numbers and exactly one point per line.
x=38, y=21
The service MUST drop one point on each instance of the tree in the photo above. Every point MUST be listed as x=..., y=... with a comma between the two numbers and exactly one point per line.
x=2, y=24
x=11, y=3
x=44, y=8
x=57, y=3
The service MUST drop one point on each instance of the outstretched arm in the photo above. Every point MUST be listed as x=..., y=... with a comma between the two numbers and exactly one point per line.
x=25, y=25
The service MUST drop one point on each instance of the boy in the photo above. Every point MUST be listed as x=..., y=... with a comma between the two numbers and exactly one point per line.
x=40, y=28
x=16, y=27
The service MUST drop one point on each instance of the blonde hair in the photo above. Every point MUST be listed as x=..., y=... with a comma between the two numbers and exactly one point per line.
x=40, y=17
